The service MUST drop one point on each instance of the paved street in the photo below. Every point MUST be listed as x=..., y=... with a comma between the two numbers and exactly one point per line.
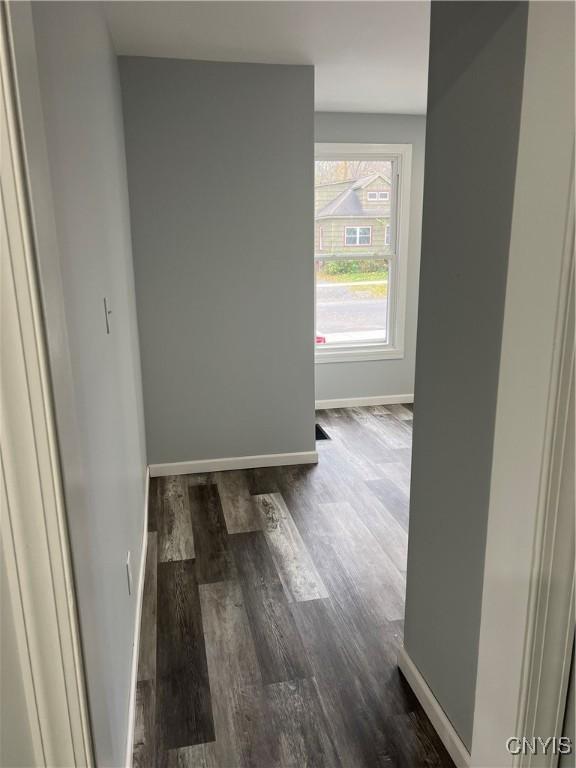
x=340, y=309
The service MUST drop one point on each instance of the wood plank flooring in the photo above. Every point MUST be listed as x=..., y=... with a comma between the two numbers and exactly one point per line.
x=273, y=610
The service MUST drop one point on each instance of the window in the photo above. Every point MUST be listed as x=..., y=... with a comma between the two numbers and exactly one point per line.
x=361, y=264
x=373, y=196
x=357, y=235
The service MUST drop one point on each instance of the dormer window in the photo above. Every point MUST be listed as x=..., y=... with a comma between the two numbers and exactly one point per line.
x=374, y=197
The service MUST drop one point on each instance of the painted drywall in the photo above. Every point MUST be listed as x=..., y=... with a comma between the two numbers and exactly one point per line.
x=220, y=171
x=477, y=53
x=95, y=375
x=363, y=76
x=380, y=377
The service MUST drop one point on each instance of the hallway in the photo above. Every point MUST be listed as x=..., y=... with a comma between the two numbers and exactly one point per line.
x=273, y=609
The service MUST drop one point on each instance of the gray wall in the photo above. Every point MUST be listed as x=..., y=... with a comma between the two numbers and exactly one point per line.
x=220, y=169
x=475, y=87
x=380, y=377
x=96, y=377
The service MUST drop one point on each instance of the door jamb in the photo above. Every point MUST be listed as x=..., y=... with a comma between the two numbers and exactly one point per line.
x=33, y=530
x=526, y=515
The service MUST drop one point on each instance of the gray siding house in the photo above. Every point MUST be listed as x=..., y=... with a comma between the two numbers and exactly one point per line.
x=352, y=217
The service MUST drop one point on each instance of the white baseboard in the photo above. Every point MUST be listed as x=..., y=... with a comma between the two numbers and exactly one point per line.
x=351, y=402
x=443, y=727
x=237, y=462
x=136, y=644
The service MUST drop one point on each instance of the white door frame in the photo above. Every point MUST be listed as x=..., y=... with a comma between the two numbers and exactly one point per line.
x=528, y=612
x=528, y=590
x=33, y=530
x=551, y=608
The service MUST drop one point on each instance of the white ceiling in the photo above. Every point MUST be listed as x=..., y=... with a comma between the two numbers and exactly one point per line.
x=369, y=56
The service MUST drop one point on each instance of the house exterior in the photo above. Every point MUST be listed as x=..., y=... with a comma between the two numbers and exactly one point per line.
x=353, y=217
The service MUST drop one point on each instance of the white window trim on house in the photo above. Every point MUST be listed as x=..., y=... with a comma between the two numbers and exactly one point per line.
x=357, y=229
x=393, y=348
x=375, y=196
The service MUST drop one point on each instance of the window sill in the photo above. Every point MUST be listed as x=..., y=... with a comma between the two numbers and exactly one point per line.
x=359, y=354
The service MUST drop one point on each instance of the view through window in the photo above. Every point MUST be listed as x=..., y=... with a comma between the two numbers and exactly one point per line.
x=354, y=235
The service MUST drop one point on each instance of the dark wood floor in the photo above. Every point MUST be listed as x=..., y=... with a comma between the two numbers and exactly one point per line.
x=273, y=611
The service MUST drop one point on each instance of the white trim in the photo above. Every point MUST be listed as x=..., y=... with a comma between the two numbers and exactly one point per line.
x=551, y=615
x=343, y=353
x=137, y=622
x=329, y=217
x=33, y=529
x=352, y=402
x=329, y=150
x=441, y=724
x=510, y=693
x=387, y=234
x=401, y=157
x=358, y=227
x=237, y=462
x=383, y=194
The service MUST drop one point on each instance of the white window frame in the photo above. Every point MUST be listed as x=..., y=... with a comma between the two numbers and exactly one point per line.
x=401, y=157
x=358, y=244
x=374, y=197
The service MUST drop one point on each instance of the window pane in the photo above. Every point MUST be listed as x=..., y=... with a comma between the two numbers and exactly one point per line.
x=351, y=300
x=353, y=210
x=354, y=193
x=364, y=235
x=351, y=236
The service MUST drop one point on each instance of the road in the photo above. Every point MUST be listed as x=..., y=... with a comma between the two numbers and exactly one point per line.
x=340, y=310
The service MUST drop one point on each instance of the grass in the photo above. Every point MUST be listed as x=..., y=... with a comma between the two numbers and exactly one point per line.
x=372, y=290
x=351, y=277
x=358, y=277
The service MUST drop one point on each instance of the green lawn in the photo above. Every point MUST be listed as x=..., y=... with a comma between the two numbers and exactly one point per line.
x=355, y=271
x=372, y=290
x=351, y=277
